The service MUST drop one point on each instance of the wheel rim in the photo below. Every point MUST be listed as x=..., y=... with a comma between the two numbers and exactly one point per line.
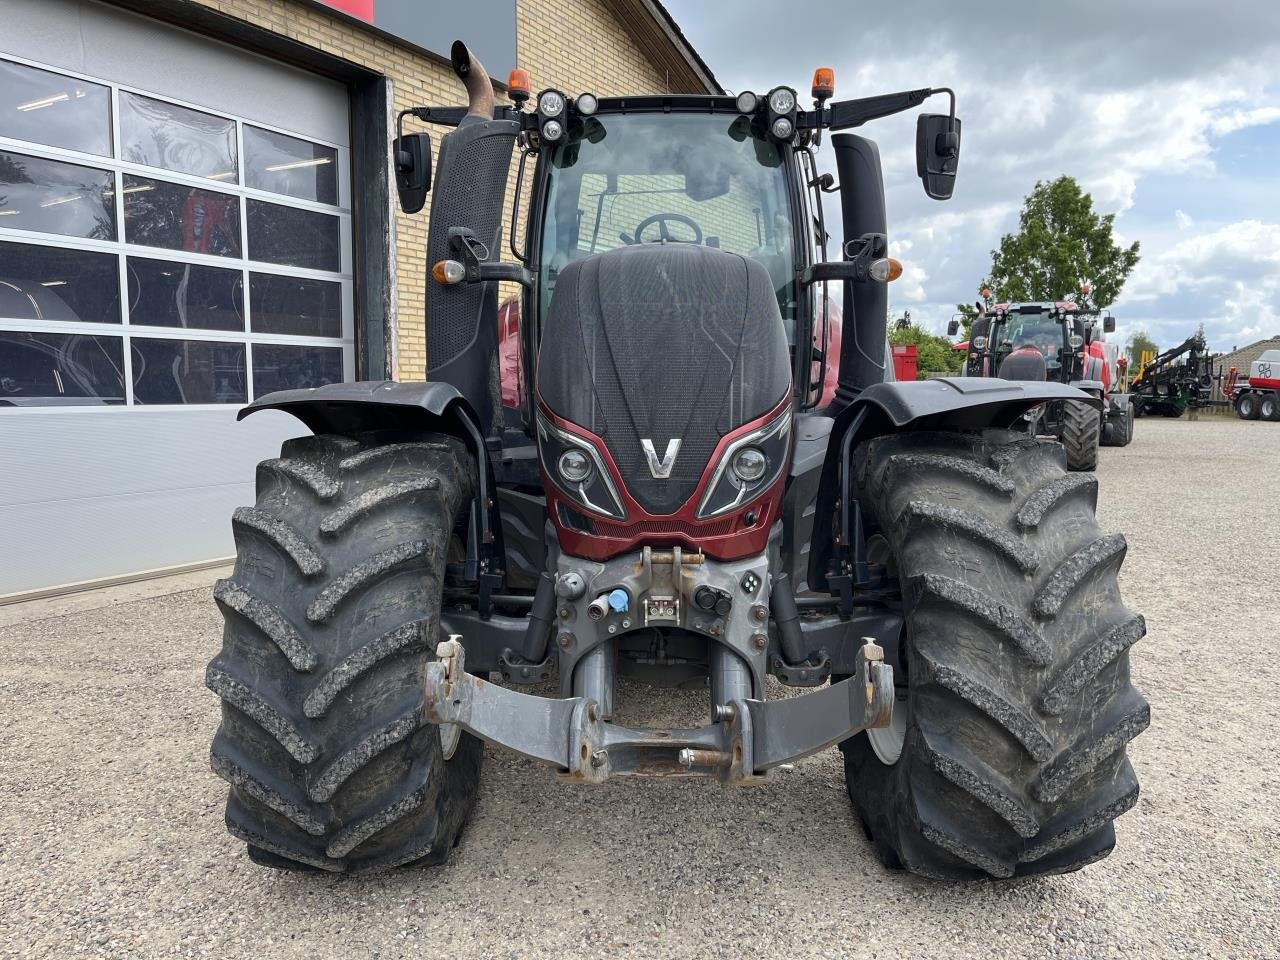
x=450, y=734
x=887, y=742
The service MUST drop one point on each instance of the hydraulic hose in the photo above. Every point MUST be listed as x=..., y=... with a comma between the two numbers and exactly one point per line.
x=782, y=603
x=541, y=615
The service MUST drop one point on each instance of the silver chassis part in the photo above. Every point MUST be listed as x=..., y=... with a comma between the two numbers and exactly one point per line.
x=750, y=738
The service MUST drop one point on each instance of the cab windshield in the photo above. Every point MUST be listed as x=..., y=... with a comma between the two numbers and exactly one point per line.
x=1035, y=330
x=648, y=178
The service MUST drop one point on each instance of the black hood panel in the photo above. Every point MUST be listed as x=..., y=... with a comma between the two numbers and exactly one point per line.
x=661, y=341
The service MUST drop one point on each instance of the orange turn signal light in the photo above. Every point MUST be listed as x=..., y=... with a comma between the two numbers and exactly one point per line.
x=824, y=83
x=986, y=294
x=885, y=269
x=1086, y=289
x=448, y=272
x=518, y=85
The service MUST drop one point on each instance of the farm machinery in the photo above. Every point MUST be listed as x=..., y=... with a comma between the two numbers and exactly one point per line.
x=669, y=500
x=1170, y=383
x=1063, y=342
x=1258, y=396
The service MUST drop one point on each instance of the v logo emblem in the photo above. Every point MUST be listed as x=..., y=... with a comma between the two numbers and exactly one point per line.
x=661, y=469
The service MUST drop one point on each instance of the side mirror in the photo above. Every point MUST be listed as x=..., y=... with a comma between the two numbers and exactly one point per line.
x=937, y=153
x=953, y=327
x=1108, y=324
x=412, y=155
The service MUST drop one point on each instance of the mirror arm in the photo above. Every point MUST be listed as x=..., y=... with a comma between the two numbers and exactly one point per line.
x=854, y=113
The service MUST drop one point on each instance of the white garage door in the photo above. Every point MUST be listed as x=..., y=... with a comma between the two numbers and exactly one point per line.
x=174, y=241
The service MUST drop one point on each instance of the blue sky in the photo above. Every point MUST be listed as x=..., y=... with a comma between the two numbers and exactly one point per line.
x=1166, y=111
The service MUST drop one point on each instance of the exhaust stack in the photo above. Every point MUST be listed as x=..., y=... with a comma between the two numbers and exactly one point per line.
x=862, y=346
x=475, y=78
x=469, y=192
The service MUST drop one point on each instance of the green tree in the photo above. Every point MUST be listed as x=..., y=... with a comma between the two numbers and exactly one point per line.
x=1138, y=342
x=933, y=353
x=1061, y=242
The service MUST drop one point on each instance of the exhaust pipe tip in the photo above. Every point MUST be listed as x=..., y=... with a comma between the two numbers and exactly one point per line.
x=480, y=99
x=460, y=57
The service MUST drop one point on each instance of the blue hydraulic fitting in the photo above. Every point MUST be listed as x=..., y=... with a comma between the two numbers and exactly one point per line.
x=618, y=600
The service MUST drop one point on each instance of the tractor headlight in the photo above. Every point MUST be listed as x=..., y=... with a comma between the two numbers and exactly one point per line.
x=748, y=467
x=979, y=343
x=1076, y=340
x=587, y=104
x=574, y=465
x=747, y=102
x=551, y=130
x=783, y=128
x=782, y=100
x=551, y=104
x=576, y=468
x=749, y=464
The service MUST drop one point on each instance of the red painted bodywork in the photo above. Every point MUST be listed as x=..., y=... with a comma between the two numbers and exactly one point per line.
x=726, y=537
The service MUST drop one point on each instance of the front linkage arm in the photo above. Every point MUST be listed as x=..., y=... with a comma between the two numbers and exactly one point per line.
x=749, y=739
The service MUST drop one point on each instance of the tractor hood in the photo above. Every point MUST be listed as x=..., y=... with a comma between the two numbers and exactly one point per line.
x=660, y=342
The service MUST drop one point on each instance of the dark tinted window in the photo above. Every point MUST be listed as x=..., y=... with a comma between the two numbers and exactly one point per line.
x=42, y=369
x=187, y=371
x=53, y=283
x=281, y=367
x=56, y=197
x=298, y=238
x=164, y=294
x=296, y=168
x=46, y=107
x=161, y=134
x=161, y=214
x=295, y=306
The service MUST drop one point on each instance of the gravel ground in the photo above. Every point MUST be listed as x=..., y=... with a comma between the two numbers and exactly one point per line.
x=112, y=843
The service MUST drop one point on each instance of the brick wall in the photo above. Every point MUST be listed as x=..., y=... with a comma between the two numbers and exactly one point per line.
x=575, y=45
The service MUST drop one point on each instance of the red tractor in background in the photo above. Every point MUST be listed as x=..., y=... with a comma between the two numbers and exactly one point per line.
x=1062, y=342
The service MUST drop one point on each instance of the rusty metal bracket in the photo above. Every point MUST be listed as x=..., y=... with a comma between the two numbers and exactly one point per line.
x=749, y=738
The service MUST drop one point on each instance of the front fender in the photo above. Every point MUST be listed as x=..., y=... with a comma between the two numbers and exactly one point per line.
x=1095, y=387
x=951, y=403
x=436, y=407
x=374, y=405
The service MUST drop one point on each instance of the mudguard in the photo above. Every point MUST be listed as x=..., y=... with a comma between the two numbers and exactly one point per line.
x=1090, y=386
x=952, y=403
x=415, y=407
x=375, y=405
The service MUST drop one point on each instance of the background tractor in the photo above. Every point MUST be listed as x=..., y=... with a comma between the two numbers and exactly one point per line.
x=1063, y=342
x=671, y=500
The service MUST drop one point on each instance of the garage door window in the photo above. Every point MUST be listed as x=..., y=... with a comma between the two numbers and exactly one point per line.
x=154, y=252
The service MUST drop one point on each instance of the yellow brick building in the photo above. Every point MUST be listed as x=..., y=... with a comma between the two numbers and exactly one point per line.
x=197, y=208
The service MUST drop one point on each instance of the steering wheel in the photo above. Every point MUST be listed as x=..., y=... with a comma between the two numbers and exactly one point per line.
x=661, y=219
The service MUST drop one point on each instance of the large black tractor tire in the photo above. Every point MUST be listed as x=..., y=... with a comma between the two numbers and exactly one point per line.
x=1081, y=434
x=1016, y=706
x=1269, y=407
x=330, y=615
x=1248, y=407
x=1118, y=431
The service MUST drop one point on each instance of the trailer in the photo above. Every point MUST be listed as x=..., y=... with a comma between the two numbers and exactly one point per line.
x=1258, y=397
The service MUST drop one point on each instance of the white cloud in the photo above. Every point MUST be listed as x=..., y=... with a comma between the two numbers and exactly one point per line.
x=1132, y=104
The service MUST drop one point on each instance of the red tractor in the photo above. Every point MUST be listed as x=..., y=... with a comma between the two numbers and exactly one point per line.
x=1063, y=342
x=671, y=499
